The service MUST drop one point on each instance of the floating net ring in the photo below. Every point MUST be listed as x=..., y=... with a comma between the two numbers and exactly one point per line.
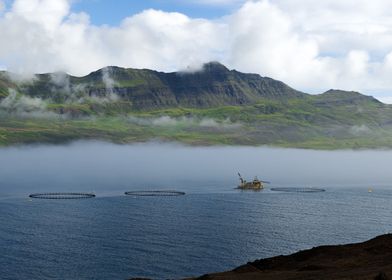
x=300, y=190
x=155, y=193
x=62, y=195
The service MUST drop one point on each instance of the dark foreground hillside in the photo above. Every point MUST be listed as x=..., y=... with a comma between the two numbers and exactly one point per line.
x=368, y=260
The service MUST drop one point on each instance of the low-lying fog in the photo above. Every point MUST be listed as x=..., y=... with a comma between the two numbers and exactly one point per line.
x=111, y=169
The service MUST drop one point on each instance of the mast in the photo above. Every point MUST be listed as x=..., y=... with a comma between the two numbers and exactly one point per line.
x=242, y=180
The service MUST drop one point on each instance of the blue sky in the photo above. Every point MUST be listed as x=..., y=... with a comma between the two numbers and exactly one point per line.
x=113, y=12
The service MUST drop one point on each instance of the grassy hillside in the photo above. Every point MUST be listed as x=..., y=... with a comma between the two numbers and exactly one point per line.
x=213, y=106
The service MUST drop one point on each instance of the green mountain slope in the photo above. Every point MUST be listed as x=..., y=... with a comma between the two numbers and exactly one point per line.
x=147, y=89
x=212, y=106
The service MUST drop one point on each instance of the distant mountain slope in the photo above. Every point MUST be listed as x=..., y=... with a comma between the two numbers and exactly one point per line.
x=212, y=106
x=334, y=97
x=214, y=85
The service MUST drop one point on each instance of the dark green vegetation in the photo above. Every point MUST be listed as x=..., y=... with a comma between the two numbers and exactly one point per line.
x=211, y=106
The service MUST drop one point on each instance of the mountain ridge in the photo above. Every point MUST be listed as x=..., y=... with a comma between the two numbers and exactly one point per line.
x=208, y=107
x=213, y=85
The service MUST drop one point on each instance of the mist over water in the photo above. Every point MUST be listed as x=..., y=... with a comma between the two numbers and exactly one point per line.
x=111, y=169
x=212, y=228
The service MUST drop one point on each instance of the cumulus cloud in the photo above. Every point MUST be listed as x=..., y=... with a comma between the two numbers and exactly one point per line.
x=264, y=41
x=311, y=45
x=218, y=2
x=45, y=13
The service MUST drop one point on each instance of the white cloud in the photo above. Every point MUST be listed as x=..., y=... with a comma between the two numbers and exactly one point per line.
x=218, y=2
x=264, y=41
x=311, y=45
x=47, y=13
x=385, y=99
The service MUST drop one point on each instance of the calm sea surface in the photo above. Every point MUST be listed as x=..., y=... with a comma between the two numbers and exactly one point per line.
x=212, y=228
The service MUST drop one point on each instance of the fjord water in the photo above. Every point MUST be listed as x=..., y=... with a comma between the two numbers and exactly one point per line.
x=212, y=228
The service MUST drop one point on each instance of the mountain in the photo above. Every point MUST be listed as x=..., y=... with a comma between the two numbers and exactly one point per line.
x=213, y=105
x=214, y=85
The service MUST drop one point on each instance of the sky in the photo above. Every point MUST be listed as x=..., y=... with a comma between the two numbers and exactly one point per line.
x=310, y=45
x=105, y=12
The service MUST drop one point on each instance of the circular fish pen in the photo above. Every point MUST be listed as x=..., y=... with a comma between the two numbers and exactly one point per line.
x=298, y=190
x=154, y=193
x=62, y=195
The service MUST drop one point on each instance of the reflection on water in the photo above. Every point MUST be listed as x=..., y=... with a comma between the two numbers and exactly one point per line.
x=214, y=227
